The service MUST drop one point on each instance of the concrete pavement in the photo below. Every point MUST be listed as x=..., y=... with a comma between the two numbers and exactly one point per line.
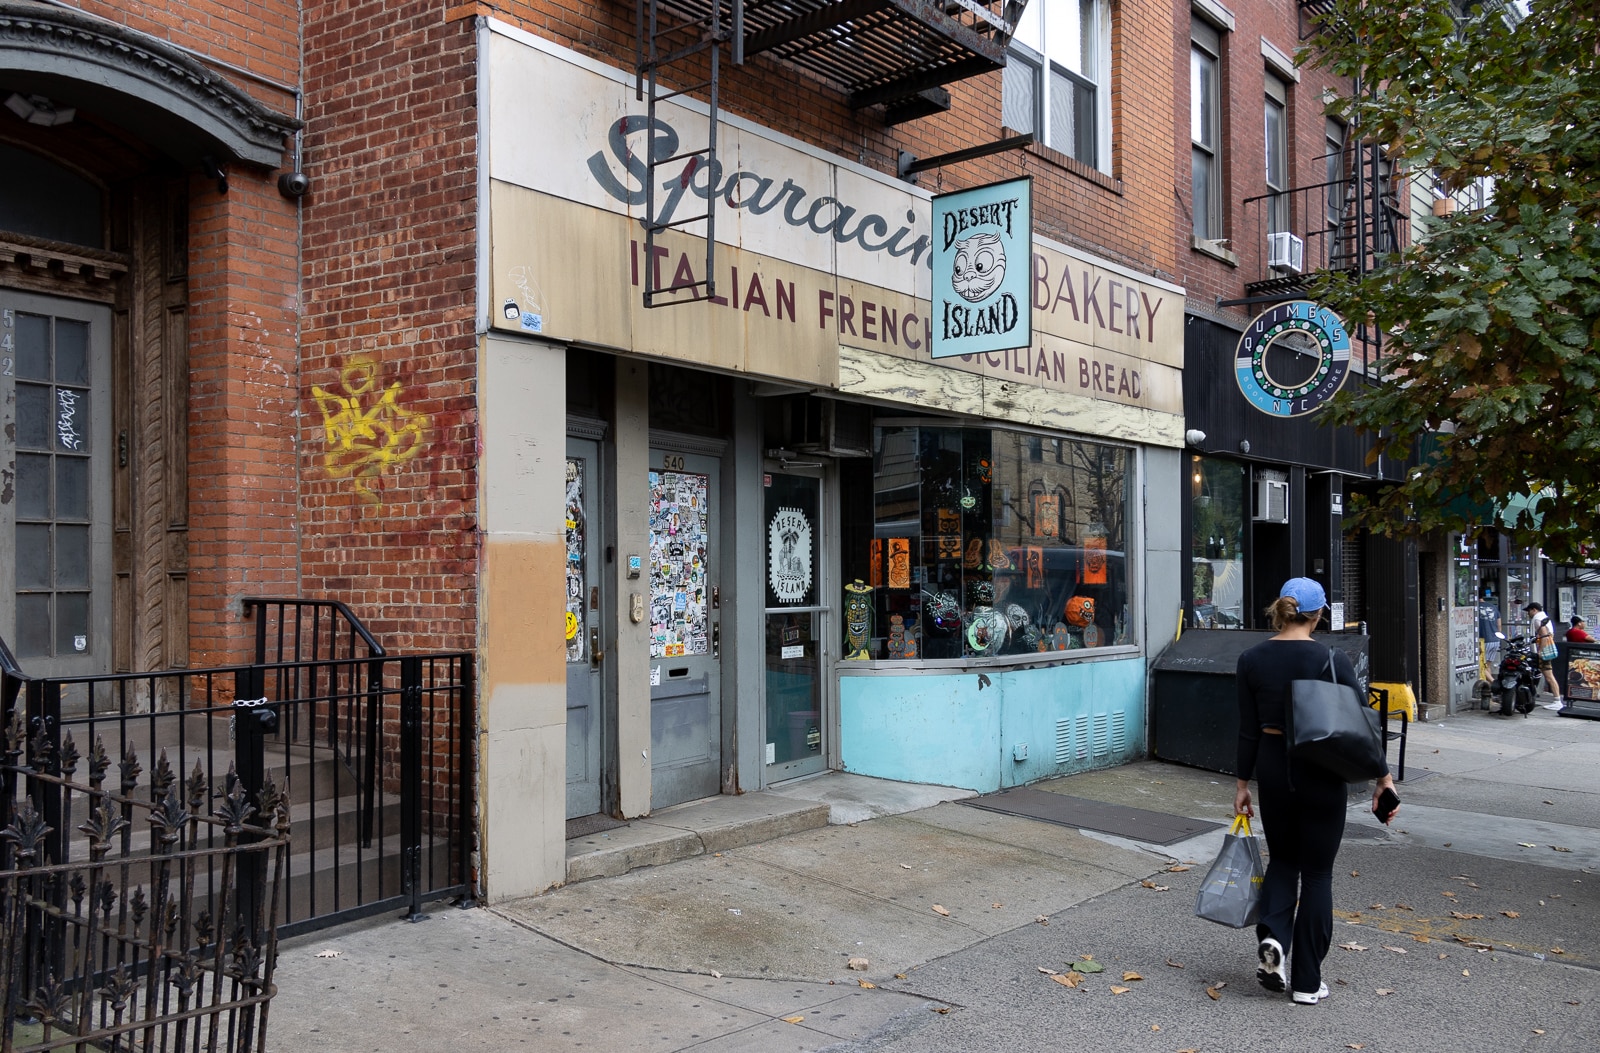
x=746, y=947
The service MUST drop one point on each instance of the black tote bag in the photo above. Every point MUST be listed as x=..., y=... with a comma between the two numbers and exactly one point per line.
x=1330, y=728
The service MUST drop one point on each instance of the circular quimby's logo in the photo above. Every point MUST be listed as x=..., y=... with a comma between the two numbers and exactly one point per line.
x=1292, y=358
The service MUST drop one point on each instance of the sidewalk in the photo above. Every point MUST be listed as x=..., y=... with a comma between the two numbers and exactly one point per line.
x=747, y=946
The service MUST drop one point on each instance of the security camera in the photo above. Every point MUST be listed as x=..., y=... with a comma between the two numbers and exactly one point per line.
x=294, y=184
x=1194, y=436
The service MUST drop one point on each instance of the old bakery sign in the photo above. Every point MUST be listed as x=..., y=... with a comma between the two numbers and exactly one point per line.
x=813, y=255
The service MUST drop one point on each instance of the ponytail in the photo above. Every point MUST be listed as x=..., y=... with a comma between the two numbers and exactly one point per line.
x=1285, y=611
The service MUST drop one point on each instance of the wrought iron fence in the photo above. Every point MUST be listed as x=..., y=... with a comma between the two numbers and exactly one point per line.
x=374, y=750
x=157, y=928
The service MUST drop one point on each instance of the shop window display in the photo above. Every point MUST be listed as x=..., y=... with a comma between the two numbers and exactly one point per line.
x=989, y=542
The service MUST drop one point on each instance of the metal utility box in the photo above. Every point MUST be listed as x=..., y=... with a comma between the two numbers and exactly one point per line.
x=1194, y=708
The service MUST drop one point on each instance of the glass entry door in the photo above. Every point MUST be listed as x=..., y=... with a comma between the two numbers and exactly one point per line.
x=796, y=625
x=55, y=454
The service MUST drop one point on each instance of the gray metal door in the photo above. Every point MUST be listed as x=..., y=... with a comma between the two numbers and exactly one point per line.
x=585, y=637
x=685, y=629
x=55, y=450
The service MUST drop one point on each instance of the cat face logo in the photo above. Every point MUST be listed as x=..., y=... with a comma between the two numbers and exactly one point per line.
x=979, y=267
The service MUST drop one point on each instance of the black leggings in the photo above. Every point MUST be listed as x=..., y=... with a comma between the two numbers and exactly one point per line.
x=1303, y=827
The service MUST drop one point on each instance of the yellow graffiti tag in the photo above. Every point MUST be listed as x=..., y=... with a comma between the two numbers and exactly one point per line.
x=366, y=433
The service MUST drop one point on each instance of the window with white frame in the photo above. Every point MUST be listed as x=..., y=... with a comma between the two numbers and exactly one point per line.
x=1277, y=140
x=1334, y=158
x=1205, y=128
x=1056, y=79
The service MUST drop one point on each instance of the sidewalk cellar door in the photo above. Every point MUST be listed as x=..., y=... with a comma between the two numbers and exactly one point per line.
x=585, y=637
x=796, y=624
x=685, y=629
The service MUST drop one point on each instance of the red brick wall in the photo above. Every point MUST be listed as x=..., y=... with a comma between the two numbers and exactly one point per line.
x=388, y=505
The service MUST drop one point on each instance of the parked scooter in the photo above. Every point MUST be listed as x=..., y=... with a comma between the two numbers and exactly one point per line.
x=1516, y=683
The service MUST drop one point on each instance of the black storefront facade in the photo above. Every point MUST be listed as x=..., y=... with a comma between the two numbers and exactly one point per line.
x=1265, y=500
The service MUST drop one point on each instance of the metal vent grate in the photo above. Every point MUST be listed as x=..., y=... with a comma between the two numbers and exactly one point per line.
x=1119, y=731
x=1102, y=737
x=1063, y=741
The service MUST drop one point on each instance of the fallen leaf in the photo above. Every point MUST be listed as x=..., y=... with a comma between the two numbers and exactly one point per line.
x=1549, y=802
x=1574, y=1003
x=1402, y=906
x=868, y=984
x=1155, y=1027
x=940, y=911
x=1538, y=1030
x=940, y=1008
x=1067, y=979
x=899, y=976
x=1047, y=972
x=1377, y=906
x=1397, y=950
x=1474, y=943
x=1130, y=976
x=996, y=906
x=1465, y=973
x=1527, y=844
x=1511, y=914
x=1452, y=895
x=716, y=975
x=1385, y=991
x=1447, y=844
x=1351, y=947
x=1215, y=995
x=792, y=1019
x=1355, y=873
x=1558, y=848
x=906, y=866
x=1361, y=1045
x=1088, y=967
x=1176, y=868
x=1158, y=888
x=1420, y=938
x=1558, y=950
x=1442, y=957
x=858, y=964
x=1465, y=916
x=1175, y=965
x=1042, y=920
x=1119, y=990
x=330, y=953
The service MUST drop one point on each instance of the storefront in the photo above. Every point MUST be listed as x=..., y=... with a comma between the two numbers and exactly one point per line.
x=792, y=541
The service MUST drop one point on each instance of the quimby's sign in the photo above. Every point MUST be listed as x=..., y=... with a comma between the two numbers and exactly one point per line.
x=813, y=255
x=984, y=238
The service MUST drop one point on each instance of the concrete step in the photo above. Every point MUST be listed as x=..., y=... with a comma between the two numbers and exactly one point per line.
x=714, y=824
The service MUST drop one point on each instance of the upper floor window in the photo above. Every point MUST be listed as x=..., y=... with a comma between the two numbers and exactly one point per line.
x=1334, y=176
x=1056, y=81
x=1205, y=128
x=1277, y=140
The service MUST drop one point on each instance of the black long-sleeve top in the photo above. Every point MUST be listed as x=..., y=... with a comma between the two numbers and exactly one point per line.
x=1264, y=674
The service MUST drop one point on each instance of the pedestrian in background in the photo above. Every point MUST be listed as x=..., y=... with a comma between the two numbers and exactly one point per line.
x=1303, y=810
x=1544, y=640
x=1578, y=634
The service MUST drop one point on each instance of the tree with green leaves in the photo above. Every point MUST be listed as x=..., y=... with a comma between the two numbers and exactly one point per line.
x=1491, y=317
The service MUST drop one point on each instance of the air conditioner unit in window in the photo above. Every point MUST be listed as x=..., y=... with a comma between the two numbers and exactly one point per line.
x=1272, y=501
x=1286, y=252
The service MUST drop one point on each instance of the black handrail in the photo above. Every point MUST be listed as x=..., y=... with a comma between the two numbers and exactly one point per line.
x=259, y=604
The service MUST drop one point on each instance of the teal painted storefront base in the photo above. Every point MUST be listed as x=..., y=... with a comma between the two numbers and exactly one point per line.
x=989, y=730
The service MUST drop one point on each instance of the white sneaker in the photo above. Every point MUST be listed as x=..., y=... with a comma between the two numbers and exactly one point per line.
x=1311, y=998
x=1271, y=973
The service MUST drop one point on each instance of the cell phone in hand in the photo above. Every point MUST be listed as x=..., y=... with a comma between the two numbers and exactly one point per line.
x=1388, y=801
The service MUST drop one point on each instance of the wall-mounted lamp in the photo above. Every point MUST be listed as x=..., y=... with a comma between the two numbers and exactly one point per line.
x=1194, y=436
x=36, y=109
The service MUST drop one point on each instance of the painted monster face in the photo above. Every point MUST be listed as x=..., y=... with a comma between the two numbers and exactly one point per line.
x=979, y=267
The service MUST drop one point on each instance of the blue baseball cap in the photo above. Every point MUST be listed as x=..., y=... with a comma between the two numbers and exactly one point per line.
x=1306, y=593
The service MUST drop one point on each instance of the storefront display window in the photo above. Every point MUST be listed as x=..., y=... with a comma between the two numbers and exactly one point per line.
x=990, y=542
x=1217, y=515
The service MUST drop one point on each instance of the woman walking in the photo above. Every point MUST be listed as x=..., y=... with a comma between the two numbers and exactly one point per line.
x=1303, y=810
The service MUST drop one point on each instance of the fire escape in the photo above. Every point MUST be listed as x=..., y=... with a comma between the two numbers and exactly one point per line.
x=894, y=54
x=1345, y=223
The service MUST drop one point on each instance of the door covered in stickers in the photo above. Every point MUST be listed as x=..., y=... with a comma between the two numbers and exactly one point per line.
x=685, y=629
x=585, y=640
